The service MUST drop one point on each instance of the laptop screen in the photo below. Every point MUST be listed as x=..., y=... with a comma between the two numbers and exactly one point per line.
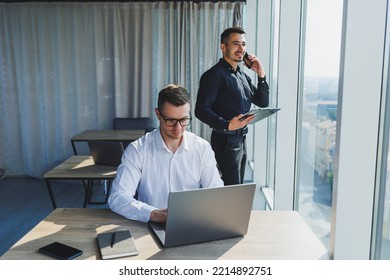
x=106, y=152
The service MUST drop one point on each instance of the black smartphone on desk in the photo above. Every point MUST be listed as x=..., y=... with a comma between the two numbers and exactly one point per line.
x=60, y=251
x=246, y=60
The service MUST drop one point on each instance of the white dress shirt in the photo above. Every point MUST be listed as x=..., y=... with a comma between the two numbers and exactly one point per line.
x=152, y=170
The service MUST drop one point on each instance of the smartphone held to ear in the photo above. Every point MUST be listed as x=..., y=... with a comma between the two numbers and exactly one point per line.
x=247, y=62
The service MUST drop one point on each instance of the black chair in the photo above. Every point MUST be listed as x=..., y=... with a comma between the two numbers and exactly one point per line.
x=131, y=123
x=149, y=129
x=143, y=123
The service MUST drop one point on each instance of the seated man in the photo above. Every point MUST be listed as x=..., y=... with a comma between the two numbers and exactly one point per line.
x=164, y=160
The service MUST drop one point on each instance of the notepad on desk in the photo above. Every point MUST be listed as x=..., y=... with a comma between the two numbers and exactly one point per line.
x=116, y=244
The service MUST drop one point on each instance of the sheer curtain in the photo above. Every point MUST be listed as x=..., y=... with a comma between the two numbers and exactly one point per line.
x=67, y=67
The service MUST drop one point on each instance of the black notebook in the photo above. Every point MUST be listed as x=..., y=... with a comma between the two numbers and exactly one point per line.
x=116, y=244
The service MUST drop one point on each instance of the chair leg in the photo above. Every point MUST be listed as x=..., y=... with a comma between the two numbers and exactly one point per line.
x=108, y=191
x=105, y=185
x=88, y=193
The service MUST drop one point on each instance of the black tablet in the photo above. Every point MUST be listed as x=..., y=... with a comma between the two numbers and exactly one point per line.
x=260, y=113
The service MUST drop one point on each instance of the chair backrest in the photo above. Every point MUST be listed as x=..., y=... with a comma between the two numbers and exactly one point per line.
x=131, y=123
x=149, y=129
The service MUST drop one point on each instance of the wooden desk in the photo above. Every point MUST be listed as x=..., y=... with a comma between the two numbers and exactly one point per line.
x=106, y=135
x=271, y=235
x=79, y=168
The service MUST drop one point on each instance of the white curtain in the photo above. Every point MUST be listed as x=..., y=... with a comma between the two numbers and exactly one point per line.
x=66, y=67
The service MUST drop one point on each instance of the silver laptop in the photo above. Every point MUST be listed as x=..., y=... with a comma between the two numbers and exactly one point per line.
x=260, y=113
x=106, y=152
x=206, y=214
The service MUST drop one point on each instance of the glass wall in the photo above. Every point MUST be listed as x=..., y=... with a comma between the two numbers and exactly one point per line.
x=382, y=236
x=318, y=113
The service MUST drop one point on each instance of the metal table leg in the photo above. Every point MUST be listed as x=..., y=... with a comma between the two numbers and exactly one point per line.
x=53, y=202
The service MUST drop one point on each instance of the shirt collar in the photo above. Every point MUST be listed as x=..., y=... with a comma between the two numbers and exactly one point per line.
x=161, y=144
x=227, y=65
x=184, y=142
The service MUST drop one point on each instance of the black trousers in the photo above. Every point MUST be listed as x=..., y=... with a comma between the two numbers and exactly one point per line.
x=230, y=153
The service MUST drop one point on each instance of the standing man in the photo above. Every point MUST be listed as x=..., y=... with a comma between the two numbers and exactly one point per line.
x=164, y=160
x=225, y=94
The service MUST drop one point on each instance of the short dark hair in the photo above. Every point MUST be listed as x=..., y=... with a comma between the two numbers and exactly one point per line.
x=174, y=94
x=225, y=36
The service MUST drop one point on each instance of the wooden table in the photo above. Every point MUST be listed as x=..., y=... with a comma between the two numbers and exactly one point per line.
x=79, y=168
x=106, y=135
x=271, y=235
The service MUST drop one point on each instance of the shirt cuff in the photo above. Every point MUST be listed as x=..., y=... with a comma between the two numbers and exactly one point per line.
x=145, y=213
x=262, y=80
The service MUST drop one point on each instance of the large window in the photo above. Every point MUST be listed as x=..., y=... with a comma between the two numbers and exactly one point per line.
x=318, y=117
x=327, y=151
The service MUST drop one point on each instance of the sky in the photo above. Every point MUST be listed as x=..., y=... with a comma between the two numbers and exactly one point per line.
x=323, y=37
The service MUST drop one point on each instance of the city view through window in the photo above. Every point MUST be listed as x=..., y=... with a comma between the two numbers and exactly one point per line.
x=318, y=134
x=319, y=113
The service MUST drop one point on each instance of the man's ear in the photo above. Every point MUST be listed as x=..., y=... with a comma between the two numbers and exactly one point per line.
x=223, y=47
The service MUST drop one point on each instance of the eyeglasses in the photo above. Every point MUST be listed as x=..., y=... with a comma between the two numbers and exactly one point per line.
x=173, y=122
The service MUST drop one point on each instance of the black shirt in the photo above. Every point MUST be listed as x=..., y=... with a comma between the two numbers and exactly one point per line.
x=224, y=93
